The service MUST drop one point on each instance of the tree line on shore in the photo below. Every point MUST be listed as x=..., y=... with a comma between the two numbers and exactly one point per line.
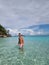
x=4, y=32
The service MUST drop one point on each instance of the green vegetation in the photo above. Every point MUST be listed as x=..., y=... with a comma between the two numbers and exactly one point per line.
x=4, y=32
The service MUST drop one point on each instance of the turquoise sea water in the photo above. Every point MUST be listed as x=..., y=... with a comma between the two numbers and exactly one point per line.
x=35, y=52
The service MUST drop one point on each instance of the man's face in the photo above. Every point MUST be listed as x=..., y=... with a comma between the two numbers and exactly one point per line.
x=19, y=34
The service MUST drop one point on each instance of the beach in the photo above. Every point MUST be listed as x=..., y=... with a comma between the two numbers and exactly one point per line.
x=35, y=51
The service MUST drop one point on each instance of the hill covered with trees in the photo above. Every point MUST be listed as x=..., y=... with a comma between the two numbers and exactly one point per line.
x=4, y=32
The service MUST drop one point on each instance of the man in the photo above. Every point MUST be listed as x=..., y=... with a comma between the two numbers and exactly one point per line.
x=20, y=41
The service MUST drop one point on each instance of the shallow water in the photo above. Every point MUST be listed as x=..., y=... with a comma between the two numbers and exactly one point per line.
x=35, y=51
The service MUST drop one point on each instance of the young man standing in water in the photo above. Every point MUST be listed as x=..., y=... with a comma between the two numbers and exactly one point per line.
x=20, y=41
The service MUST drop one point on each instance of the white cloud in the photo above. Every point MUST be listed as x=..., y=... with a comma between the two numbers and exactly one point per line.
x=15, y=32
x=42, y=32
x=22, y=13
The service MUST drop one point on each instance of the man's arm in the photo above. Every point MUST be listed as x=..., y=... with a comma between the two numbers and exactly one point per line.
x=18, y=41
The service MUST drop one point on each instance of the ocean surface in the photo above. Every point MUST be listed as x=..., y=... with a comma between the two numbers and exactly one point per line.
x=35, y=51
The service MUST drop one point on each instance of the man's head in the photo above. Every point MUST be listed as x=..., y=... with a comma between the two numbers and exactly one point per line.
x=19, y=34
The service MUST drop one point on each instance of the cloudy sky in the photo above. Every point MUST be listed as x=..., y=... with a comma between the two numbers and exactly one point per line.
x=22, y=13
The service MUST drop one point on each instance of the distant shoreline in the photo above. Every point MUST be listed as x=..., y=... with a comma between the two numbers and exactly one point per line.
x=25, y=36
x=31, y=35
